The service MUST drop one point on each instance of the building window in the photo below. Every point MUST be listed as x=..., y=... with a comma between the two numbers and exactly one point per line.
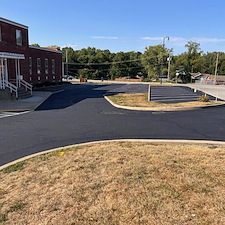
x=0, y=33
x=30, y=65
x=38, y=66
x=46, y=66
x=18, y=37
x=53, y=66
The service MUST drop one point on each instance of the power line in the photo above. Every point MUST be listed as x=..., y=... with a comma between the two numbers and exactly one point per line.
x=106, y=63
x=124, y=68
x=110, y=63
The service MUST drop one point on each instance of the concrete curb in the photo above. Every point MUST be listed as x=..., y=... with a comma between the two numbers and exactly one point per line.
x=169, y=109
x=156, y=141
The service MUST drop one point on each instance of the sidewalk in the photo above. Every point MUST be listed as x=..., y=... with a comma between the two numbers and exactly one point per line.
x=24, y=104
x=217, y=91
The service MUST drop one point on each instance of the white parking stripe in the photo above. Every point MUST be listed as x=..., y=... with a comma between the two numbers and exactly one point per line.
x=8, y=114
x=173, y=97
x=174, y=100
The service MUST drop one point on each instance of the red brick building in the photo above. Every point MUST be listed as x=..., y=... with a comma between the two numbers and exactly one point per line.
x=22, y=65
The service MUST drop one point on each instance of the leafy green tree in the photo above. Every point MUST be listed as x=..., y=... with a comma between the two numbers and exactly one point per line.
x=153, y=60
x=95, y=63
x=37, y=45
x=210, y=62
x=193, y=61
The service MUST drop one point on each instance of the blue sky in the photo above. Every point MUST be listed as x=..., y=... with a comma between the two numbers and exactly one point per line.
x=121, y=25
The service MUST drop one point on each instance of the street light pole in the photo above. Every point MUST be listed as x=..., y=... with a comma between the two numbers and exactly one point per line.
x=162, y=55
x=67, y=62
x=164, y=41
x=216, y=68
x=169, y=60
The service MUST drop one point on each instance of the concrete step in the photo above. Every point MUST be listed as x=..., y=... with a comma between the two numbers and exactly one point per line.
x=22, y=93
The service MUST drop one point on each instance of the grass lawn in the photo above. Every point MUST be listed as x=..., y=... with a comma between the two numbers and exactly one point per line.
x=117, y=183
x=141, y=100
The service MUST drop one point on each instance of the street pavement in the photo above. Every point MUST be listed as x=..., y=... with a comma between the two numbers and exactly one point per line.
x=81, y=114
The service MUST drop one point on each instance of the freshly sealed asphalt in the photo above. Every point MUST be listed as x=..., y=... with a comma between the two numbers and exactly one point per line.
x=167, y=94
x=81, y=114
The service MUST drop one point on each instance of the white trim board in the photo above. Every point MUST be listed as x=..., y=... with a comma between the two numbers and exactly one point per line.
x=9, y=55
x=13, y=23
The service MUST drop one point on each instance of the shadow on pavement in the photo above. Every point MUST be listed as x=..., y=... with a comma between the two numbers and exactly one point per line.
x=75, y=93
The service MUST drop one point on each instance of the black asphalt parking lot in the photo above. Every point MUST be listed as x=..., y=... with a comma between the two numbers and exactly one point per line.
x=81, y=114
x=173, y=94
x=163, y=94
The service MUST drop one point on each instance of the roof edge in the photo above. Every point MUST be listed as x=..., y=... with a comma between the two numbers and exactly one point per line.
x=45, y=49
x=13, y=23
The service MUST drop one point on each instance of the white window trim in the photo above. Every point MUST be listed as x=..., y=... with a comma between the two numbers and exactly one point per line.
x=30, y=66
x=46, y=66
x=21, y=41
x=38, y=66
x=53, y=67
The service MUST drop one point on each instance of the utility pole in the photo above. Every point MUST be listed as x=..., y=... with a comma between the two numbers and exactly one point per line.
x=169, y=60
x=67, y=61
x=162, y=57
x=216, y=68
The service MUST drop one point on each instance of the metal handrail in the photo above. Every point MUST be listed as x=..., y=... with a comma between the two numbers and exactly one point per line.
x=11, y=87
x=26, y=85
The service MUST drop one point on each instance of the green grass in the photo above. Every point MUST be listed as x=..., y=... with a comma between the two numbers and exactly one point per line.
x=17, y=206
x=14, y=167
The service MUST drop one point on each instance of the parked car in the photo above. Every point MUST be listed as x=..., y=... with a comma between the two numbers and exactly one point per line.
x=68, y=77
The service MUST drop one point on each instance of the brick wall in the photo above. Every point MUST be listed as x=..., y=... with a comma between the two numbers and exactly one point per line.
x=35, y=77
x=8, y=44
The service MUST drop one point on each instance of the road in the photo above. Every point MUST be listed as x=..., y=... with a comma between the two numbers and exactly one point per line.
x=81, y=114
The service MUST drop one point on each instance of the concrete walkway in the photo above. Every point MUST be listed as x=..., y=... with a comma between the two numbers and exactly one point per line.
x=217, y=91
x=24, y=104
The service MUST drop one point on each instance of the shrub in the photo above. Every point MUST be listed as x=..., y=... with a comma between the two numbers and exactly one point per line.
x=203, y=98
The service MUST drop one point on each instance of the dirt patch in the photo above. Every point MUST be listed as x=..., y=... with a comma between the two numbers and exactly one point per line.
x=117, y=183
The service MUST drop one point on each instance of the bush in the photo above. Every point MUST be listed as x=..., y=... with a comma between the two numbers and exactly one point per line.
x=203, y=98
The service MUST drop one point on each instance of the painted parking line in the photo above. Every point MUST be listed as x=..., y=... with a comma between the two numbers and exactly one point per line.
x=175, y=94
x=9, y=114
x=174, y=97
x=175, y=100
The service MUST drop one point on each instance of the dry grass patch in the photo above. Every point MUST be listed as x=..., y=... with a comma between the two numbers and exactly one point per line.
x=141, y=100
x=117, y=183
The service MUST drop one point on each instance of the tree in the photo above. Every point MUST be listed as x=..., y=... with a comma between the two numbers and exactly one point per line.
x=194, y=60
x=153, y=60
x=189, y=62
x=37, y=45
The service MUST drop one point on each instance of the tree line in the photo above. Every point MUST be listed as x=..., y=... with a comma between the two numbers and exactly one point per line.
x=94, y=63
